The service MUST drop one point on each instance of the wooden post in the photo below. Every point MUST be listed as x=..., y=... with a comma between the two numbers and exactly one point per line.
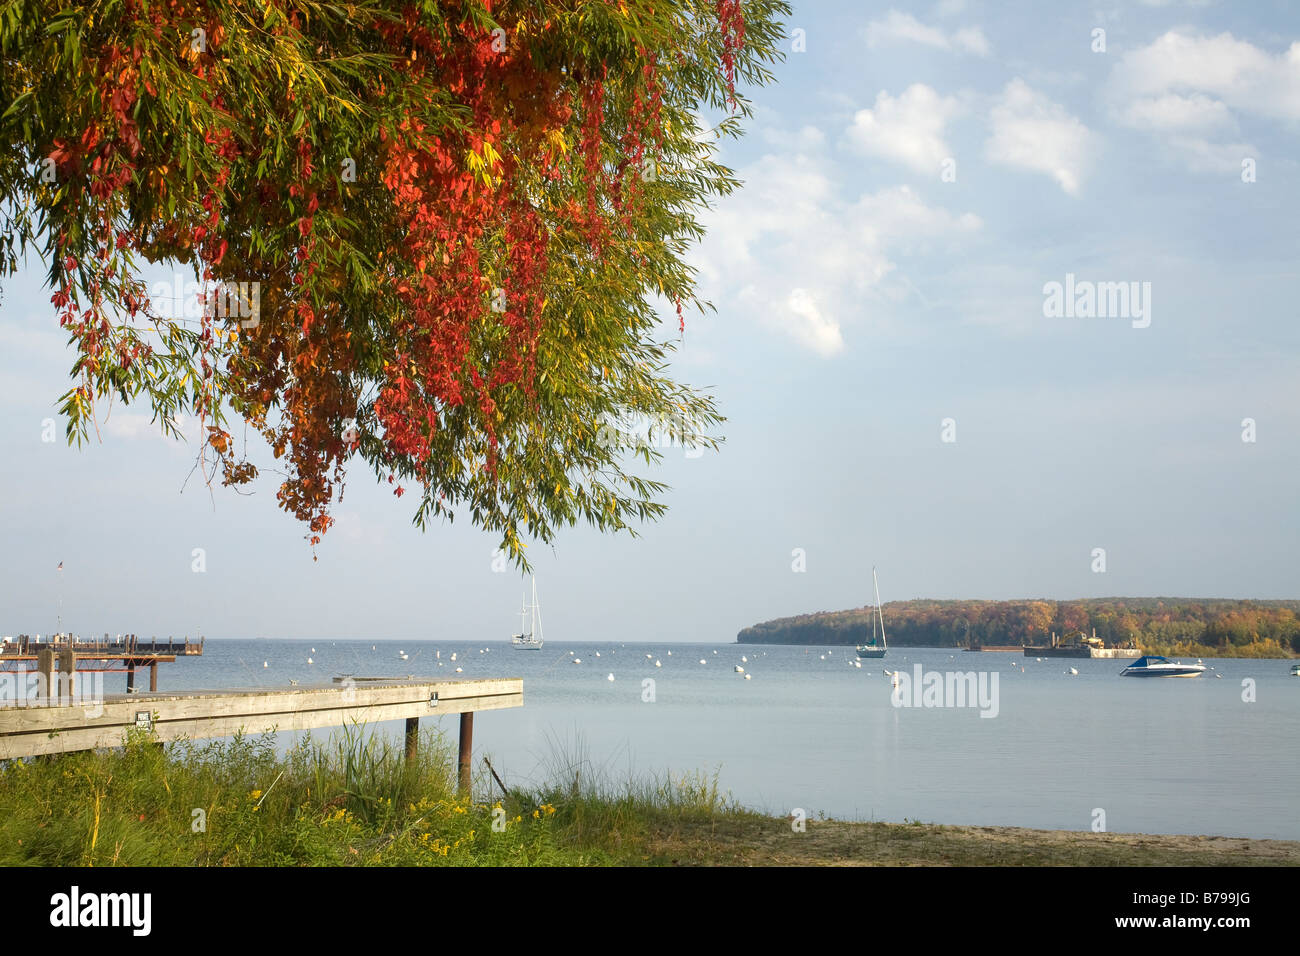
x=68, y=673
x=45, y=668
x=500, y=782
x=130, y=677
x=153, y=676
x=412, y=738
x=466, y=747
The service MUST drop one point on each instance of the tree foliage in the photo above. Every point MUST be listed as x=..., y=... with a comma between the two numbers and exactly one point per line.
x=1151, y=623
x=433, y=236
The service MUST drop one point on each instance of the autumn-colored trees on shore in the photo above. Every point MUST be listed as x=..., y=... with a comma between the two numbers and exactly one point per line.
x=1157, y=624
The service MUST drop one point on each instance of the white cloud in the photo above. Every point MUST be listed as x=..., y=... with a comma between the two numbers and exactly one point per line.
x=129, y=426
x=1174, y=112
x=1192, y=126
x=1188, y=90
x=1240, y=74
x=800, y=253
x=1170, y=3
x=908, y=129
x=805, y=138
x=971, y=40
x=899, y=217
x=117, y=423
x=1224, y=158
x=1032, y=132
x=812, y=327
x=904, y=27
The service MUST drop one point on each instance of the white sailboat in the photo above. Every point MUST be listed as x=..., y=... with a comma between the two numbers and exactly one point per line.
x=532, y=639
x=873, y=649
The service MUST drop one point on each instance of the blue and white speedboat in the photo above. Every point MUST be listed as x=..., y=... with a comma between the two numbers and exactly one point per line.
x=1153, y=666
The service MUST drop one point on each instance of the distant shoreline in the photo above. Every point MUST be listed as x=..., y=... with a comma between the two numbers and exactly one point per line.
x=1172, y=627
x=1164, y=652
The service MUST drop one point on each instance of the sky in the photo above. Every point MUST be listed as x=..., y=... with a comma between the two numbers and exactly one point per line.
x=903, y=387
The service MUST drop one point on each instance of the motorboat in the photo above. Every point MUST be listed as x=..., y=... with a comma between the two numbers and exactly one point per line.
x=1154, y=666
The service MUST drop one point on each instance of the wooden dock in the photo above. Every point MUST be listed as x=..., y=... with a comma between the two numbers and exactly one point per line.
x=25, y=647
x=75, y=655
x=28, y=731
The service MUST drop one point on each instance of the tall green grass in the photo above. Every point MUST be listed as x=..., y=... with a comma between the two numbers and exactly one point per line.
x=596, y=807
x=351, y=799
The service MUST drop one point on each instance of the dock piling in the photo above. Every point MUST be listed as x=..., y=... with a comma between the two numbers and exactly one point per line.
x=67, y=674
x=412, y=738
x=45, y=667
x=466, y=747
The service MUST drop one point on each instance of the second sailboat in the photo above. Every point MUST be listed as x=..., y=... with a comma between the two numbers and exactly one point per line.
x=532, y=639
x=872, y=649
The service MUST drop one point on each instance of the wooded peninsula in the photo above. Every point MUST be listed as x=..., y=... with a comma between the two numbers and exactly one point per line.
x=1206, y=627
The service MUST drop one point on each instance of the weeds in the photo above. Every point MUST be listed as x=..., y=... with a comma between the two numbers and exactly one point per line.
x=350, y=800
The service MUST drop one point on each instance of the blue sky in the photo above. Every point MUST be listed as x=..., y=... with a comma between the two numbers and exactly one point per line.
x=914, y=179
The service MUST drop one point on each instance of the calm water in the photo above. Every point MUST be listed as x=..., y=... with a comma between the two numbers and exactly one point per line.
x=809, y=730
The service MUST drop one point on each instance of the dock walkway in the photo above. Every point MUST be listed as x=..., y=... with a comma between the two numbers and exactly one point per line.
x=28, y=731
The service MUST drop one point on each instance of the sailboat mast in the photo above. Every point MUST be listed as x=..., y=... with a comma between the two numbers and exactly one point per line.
x=874, y=630
x=879, y=611
x=537, y=630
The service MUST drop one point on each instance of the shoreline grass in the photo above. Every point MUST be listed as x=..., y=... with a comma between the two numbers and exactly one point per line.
x=353, y=800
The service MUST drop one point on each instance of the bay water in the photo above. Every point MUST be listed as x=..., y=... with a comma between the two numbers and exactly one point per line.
x=811, y=731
